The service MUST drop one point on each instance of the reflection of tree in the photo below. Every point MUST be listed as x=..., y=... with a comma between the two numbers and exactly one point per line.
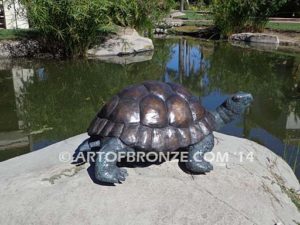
x=265, y=75
x=273, y=79
x=75, y=90
x=192, y=66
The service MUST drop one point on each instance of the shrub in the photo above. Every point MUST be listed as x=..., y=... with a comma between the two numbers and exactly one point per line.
x=68, y=25
x=138, y=13
x=290, y=9
x=232, y=16
x=74, y=25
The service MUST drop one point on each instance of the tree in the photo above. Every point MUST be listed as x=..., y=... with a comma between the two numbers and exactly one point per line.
x=182, y=5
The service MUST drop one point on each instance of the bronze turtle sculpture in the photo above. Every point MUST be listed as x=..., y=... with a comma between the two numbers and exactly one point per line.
x=157, y=117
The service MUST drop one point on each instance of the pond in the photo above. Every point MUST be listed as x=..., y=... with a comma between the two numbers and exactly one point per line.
x=46, y=101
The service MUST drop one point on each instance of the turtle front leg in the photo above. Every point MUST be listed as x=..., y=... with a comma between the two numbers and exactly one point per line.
x=106, y=169
x=196, y=162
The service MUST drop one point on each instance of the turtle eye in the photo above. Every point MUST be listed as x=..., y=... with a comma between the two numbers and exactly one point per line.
x=235, y=98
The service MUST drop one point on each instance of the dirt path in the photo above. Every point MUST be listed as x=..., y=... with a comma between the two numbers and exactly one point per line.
x=285, y=20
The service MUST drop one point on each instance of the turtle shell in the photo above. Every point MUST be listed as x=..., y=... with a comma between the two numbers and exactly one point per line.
x=153, y=116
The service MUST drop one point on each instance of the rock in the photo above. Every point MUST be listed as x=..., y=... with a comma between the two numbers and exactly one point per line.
x=127, y=59
x=25, y=48
x=256, y=37
x=176, y=14
x=125, y=41
x=168, y=23
x=37, y=188
x=18, y=48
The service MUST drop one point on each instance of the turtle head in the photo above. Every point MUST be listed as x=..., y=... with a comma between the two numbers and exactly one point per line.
x=238, y=102
x=233, y=106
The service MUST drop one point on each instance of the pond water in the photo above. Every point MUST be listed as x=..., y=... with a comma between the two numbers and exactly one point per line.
x=46, y=101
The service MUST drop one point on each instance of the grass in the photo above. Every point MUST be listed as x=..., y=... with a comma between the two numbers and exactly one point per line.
x=17, y=34
x=291, y=193
x=294, y=196
x=283, y=26
x=192, y=15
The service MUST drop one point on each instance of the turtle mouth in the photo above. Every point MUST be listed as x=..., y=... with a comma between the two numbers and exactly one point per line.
x=245, y=99
x=247, y=106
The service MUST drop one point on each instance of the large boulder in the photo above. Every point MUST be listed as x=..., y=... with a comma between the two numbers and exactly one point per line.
x=256, y=37
x=125, y=41
x=39, y=188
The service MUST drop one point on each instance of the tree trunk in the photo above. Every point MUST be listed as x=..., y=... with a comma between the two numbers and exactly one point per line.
x=181, y=5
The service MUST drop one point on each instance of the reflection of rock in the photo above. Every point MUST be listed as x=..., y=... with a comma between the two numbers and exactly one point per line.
x=126, y=41
x=240, y=192
x=293, y=122
x=13, y=140
x=256, y=37
x=128, y=59
x=255, y=45
x=5, y=63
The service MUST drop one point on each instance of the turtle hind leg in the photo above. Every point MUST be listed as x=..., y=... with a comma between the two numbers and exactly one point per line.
x=196, y=162
x=88, y=145
x=106, y=169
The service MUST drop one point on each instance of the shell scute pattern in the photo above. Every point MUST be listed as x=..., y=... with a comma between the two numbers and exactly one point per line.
x=153, y=116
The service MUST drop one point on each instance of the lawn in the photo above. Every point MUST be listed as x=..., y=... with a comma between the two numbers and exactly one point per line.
x=17, y=34
x=283, y=26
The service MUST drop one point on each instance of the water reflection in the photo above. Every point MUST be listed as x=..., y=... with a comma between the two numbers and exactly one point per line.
x=42, y=102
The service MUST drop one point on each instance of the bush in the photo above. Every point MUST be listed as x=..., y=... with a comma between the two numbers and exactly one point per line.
x=232, y=16
x=290, y=9
x=138, y=13
x=72, y=26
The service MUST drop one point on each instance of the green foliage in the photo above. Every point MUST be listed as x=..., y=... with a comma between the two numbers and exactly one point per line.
x=74, y=25
x=284, y=26
x=290, y=9
x=243, y=15
x=9, y=34
x=138, y=13
x=201, y=4
x=68, y=25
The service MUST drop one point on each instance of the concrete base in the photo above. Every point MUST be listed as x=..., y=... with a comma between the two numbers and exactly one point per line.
x=38, y=188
